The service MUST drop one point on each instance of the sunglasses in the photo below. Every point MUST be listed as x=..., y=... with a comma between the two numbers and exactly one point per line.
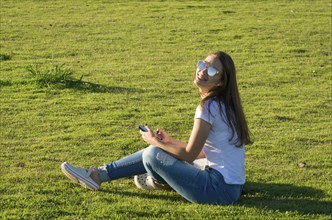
x=211, y=71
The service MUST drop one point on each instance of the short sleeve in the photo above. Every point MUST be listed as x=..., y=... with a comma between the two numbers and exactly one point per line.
x=208, y=113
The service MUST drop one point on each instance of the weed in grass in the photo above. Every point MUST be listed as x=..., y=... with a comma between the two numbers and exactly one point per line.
x=59, y=77
x=5, y=83
x=4, y=57
x=56, y=76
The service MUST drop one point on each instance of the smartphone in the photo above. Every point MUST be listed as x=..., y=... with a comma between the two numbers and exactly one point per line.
x=142, y=128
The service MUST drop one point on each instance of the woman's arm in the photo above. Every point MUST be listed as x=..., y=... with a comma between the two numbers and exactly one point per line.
x=201, y=155
x=162, y=135
x=187, y=152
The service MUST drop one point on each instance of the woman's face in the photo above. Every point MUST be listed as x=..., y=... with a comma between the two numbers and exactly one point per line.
x=203, y=80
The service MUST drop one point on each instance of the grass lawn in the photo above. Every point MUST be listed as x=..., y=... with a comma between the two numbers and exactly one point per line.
x=131, y=63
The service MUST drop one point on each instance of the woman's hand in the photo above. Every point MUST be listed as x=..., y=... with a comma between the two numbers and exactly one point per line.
x=163, y=136
x=155, y=138
x=148, y=136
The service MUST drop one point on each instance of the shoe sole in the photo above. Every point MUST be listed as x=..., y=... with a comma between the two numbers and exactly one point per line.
x=77, y=178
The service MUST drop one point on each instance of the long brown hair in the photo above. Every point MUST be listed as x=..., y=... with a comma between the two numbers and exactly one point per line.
x=227, y=92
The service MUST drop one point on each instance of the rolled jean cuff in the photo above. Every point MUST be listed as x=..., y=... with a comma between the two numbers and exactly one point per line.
x=104, y=177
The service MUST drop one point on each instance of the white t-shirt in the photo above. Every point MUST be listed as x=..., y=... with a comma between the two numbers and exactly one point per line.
x=221, y=153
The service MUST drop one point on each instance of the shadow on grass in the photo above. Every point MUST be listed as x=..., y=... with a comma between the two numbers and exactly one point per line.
x=284, y=198
x=148, y=195
x=77, y=85
x=267, y=196
x=97, y=88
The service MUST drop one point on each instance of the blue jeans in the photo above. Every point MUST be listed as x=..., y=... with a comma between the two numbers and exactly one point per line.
x=196, y=185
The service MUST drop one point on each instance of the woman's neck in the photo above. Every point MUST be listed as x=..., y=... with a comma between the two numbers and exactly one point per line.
x=203, y=93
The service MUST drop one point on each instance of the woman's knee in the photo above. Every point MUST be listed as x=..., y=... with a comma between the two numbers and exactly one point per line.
x=150, y=153
x=156, y=156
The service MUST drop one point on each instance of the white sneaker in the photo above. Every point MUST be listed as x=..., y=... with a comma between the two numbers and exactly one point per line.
x=80, y=176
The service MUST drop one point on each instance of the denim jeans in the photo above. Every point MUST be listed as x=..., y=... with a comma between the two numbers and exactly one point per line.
x=198, y=186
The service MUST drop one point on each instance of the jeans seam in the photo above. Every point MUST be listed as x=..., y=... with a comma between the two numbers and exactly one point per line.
x=122, y=166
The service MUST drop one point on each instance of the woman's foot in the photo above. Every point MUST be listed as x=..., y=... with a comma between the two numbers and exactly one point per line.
x=95, y=176
x=144, y=181
x=88, y=178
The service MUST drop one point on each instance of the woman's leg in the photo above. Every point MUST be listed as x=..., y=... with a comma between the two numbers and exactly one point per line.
x=125, y=167
x=198, y=186
x=92, y=178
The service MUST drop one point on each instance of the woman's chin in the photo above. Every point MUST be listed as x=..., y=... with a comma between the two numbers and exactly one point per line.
x=199, y=83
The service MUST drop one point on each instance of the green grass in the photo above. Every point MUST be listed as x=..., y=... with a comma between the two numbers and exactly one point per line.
x=137, y=60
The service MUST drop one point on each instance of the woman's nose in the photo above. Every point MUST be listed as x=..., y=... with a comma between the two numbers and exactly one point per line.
x=203, y=72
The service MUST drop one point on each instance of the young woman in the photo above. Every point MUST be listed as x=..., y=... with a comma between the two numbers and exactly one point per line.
x=219, y=133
